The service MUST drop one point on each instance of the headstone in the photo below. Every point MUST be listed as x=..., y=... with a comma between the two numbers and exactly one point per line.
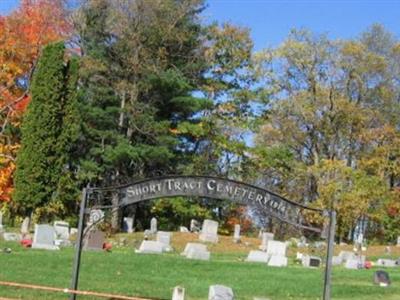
x=311, y=261
x=346, y=255
x=95, y=240
x=257, y=256
x=398, y=241
x=382, y=262
x=128, y=225
x=236, y=234
x=381, y=278
x=95, y=215
x=353, y=264
x=179, y=293
x=25, y=226
x=337, y=260
x=299, y=256
x=1, y=221
x=196, y=251
x=220, y=292
x=194, y=226
x=44, y=237
x=11, y=237
x=73, y=231
x=62, y=230
x=164, y=238
x=153, y=225
x=276, y=248
x=209, y=231
x=151, y=247
x=183, y=229
x=278, y=261
x=388, y=250
x=265, y=238
x=302, y=243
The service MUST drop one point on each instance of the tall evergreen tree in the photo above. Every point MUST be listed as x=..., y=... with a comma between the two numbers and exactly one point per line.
x=45, y=142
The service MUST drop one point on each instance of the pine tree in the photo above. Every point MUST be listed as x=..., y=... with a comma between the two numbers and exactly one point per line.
x=49, y=132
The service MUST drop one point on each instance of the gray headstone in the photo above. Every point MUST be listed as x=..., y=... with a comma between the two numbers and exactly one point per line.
x=154, y=247
x=179, y=293
x=44, y=237
x=220, y=292
x=128, y=225
x=236, y=234
x=346, y=255
x=153, y=225
x=381, y=278
x=95, y=240
x=398, y=241
x=257, y=256
x=353, y=264
x=62, y=230
x=278, y=261
x=265, y=238
x=25, y=225
x=209, y=231
x=1, y=220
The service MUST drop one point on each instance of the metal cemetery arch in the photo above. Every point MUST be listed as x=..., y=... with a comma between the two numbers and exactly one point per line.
x=207, y=187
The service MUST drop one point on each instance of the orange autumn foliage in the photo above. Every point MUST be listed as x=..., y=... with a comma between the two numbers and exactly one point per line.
x=23, y=33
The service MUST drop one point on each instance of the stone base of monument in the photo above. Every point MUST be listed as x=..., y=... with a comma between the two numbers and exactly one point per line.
x=151, y=247
x=220, y=292
x=257, y=256
x=45, y=246
x=278, y=261
x=353, y=264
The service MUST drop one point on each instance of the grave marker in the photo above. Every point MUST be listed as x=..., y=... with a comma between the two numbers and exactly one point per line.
x=209, y=231
x=381, y=278
x=128, y=225
x=236, y=234
x=153, y=225
x=220, y=292
x=95, y=240
x=44, y=237
x=151, y=247
x=265, y=238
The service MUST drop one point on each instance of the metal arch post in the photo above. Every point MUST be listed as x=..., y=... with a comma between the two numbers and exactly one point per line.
x=329, y=254
x=78, y=247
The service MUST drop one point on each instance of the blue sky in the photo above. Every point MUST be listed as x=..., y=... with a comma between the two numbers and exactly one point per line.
x=271, y=20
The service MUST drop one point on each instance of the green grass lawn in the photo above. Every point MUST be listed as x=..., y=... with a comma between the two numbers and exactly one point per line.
x=124, y=272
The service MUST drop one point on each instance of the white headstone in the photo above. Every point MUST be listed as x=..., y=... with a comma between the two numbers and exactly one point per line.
x=25, y=225
x=73, y=231
x=11, y=237
x=337, y=260
x=128, y=225
x=153, y=225
x=183, y=229
x=257, y=256
x=44, y=237
x=194, y=226
x=311, y=261
x=62, y=230
x=265, y=238
x=164, y=238
x=352, y=264
x=236, y=234
x=151, y=247
x=209, y=231
x=299, y=256
x=398, y=241
x=1, y=221
x=346, y=255
x=278, y=261
x=382, y=262
x=220, y=292
x=196, y=251
x=179, y=293
x=276, y=248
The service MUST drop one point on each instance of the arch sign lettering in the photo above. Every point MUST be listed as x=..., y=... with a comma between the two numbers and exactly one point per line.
x=207, y=187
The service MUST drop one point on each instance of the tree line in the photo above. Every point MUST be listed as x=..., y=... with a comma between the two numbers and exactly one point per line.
x=110, y=92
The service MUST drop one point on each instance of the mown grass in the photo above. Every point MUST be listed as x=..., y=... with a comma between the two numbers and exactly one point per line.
x=154, y=276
